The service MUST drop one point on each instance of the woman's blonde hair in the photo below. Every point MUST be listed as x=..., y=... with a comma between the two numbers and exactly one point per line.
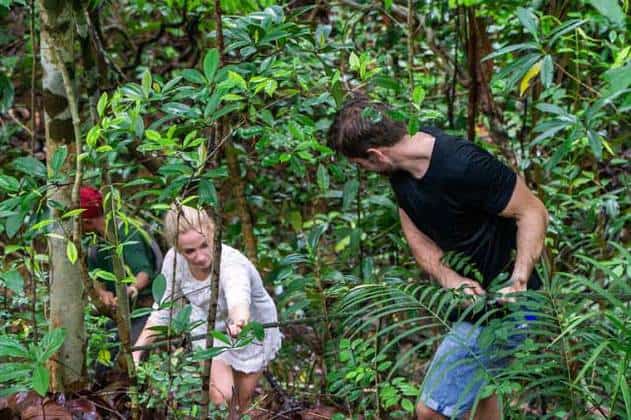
x=180, y=219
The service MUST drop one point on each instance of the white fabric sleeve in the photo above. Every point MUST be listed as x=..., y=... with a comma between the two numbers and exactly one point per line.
x=235, y=283
x=161, y=316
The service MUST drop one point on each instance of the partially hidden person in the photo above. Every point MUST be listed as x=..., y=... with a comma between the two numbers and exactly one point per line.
x=241, y=299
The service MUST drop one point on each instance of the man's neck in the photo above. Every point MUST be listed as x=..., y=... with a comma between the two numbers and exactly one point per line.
x=413, y=154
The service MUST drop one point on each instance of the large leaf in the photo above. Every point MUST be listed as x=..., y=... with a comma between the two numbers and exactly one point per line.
x=158, y=287
x=610, y=9
x=528, y=20
x=40, y=379
x=211, y=62
x=13, y=280
x=30, y=166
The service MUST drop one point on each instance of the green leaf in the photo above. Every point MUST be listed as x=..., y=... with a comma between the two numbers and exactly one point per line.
x=211, y=62
x=207, y=192
x=418, y=95
x=153, y=135
x=58, y=159
x=595, y=143
x=528, y=20
x=13, y=280
x=51, y=342
x=158, y=287
x=40, y=379
x=510, y=48
x=71, y=252
x=547, y=71
x=407, y=405
x=30, y=166
x=9, y=184
x=350, y=192
x=323, y=178
x=610, y=9
x=353, y=61
x=100, y=106
x=146, y=83
x=7, y=92
x=93, y=136
x=9, y=346
x=194, y=76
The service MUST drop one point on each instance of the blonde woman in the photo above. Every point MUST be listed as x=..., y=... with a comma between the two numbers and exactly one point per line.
x=242, y=298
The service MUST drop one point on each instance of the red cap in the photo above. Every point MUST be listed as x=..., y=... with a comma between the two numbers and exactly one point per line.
x=92, y=201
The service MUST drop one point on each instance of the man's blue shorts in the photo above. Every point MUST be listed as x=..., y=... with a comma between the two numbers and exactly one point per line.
x=466, y=359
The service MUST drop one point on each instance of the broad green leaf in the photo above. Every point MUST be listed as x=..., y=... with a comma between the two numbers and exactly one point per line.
x=207, y=192
x=194, y=76
x=530, y=74
x=9, y=184
x=158, y=287
x=40, y=379
x=58, y=159
x=418, y=95
x=350, y=192
x=100, y=106
x=7, y=92
x=30, y=166
x=547, y=71
x=528, y=20
x=71, y=252
x=353, y=61
x=9, y=346
x=153, y=135
x=211, y=62
x=13, y=280
x=146, y=83
x=322, y=178
x=610, y=9
x=51, y=342
x=93, y=136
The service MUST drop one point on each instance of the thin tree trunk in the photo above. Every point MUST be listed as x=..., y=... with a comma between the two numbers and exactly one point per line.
x=247, y=227
x=67, y=296
x=220, y=132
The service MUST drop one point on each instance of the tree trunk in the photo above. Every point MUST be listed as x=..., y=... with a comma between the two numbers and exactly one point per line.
x=247, y=228
x=67, y=296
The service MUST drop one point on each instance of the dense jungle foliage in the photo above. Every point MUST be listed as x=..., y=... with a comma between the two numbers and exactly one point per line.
x=227, y=105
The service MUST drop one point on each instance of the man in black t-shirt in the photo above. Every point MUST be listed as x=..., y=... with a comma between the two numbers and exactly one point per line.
x=452, y=196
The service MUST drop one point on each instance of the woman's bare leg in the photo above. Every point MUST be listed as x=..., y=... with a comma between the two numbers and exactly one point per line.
x=246, y=383
x=221, y=383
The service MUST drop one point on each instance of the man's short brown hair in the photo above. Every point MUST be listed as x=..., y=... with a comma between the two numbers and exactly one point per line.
x=362, y=124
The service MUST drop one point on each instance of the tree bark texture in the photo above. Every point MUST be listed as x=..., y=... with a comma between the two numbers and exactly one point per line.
x=247, y=227
x=67, y=294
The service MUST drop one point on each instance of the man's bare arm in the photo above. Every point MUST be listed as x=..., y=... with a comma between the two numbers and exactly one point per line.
x=532, y=220
x=428, y=256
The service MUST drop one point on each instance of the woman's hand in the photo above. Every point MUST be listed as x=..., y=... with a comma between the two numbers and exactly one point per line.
x=234, y=328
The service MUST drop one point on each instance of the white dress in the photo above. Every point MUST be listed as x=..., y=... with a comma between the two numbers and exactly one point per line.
x=239, y=284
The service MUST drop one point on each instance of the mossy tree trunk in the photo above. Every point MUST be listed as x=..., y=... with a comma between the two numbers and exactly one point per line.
x=67, y=294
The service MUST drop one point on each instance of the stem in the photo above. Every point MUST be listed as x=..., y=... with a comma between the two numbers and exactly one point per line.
x=33, y=68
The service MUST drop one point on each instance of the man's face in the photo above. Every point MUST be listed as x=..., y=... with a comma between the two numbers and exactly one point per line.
x=88, y=225
x=376, y=162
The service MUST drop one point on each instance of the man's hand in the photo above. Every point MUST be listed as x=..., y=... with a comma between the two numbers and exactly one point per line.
x=107, y=298
x=234, y=328
x=516, y=286
x=468, y=287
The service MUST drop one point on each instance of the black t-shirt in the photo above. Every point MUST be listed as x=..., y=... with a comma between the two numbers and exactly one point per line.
x=457, y=202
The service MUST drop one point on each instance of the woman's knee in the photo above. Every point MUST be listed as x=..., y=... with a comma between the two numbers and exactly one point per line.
x=423, y=412
x=220, y=396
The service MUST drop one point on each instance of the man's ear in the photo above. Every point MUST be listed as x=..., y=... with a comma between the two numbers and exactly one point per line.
x=376, y=155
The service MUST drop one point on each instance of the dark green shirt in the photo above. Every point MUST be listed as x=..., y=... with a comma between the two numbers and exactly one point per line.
x=137, y=255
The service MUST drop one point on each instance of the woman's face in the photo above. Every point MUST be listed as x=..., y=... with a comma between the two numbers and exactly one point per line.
x=196, y=249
